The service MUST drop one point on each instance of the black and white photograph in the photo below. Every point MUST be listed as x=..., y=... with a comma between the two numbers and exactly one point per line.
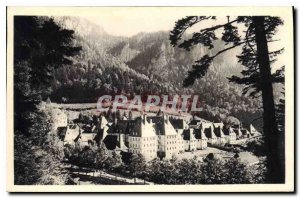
x=150, y=99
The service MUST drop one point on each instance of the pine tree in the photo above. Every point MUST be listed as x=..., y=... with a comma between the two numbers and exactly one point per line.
x=40, y=46
x=257, y=77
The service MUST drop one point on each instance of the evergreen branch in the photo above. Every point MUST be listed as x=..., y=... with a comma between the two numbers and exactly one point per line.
x=278, y=76
x=229, y=48
x=204, y=36
x=248, y=42
x=205, y=39
x=270, y=41
x=182, y=25
x=276, y=52
x=217, y=26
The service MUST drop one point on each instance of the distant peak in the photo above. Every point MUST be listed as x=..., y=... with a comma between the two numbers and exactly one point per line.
x=81, y=26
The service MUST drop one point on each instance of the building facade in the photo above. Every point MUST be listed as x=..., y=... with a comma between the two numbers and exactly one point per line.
x=143, y=139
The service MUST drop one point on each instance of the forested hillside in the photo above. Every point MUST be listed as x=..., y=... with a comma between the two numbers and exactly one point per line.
x=95, y=72
x=41, y=47
x=143, y=64
x=158, y=60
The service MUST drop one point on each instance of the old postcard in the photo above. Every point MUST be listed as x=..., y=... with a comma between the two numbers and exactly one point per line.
x=150, y=99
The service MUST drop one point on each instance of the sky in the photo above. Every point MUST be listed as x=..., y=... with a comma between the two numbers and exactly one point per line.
x=130, y=21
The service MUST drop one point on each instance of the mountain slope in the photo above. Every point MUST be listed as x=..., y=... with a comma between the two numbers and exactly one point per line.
x=157, y=59
x=147, y=64
x=95, y=72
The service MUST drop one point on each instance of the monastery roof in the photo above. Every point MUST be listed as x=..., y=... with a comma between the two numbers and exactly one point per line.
x=122, y=127
x=137, y=127
x=207, y=125
x=237, y=131
x=177, y=123
x=218, y=132
x=155, y=119
x=195, y=122
x=188, y=134
x=71, y=133
x=201, y=119
x=199, y=134
x=219, y=124
x=158, y=122
x=169, y=129
x=227, y=131
x=209, y=132
x=162, y=125
x=236, y=126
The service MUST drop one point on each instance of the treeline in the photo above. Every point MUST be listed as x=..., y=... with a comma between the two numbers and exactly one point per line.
x=41, y=46
x=210, y=170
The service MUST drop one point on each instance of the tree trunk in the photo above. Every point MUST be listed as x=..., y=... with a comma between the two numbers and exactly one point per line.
x=273, y=142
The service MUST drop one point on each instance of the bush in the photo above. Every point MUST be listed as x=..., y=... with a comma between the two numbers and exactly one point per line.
x=256, y=146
